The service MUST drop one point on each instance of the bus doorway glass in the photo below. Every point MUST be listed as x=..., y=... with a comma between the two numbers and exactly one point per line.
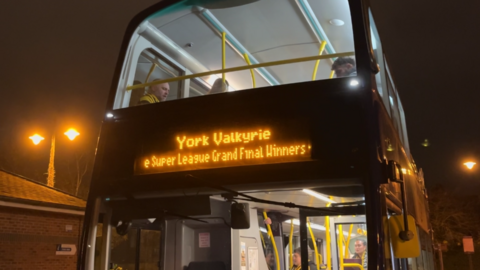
x=135, y=246
x=334, y=242
x=182, y=240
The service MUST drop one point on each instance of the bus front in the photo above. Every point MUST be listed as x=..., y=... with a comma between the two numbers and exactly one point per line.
x=238, y=136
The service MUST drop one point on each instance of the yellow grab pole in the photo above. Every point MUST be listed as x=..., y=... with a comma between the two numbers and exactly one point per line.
x=277, y=260
x=340, y=245
x=327, y=233
x=314, y=244
x=263, y=240
x=245, y=55
x=223, y=55
x=348, y=241
x=332, y=73
x=290, y=244
x=322, y=47
x=329, y=240
x=233, y=69
x=150, y=72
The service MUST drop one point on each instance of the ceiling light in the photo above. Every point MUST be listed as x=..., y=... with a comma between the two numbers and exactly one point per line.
x=353, y=82
x=109, y=115
x=336, y=22
x=318, y=195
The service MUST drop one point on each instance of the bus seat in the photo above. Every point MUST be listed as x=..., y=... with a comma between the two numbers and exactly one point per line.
x=215, y=265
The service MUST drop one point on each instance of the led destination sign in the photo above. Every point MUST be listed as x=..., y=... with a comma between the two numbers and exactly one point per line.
x=224, y=149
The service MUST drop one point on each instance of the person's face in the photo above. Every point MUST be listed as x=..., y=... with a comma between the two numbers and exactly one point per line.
x=297, y=259
x=359, y=247
x=270, y=260
x=161, y=91
x=343, y=70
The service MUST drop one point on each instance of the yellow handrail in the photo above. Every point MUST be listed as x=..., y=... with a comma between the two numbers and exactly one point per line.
x=340, y=245
x=223, y=55
x=359, y=266
x=245, y=55
x=277, y=260
x=322, y=47
x=329, y=241
x=263, y=240
x=240, y=68
x=290, y=244
x=332, y=73
x=150, y=72
x=314, y=244
x=348, y=241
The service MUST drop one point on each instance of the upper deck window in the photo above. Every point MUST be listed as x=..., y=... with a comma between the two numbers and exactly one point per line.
x=210, y=36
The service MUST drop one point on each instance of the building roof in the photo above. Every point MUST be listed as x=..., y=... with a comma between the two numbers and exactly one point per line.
x=23, y=190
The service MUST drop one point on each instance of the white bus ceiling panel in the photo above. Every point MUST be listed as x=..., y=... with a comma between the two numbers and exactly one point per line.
x=297, y=197
x=207, y=49
x=191, y=29
x=266, y=24
x=341, y=37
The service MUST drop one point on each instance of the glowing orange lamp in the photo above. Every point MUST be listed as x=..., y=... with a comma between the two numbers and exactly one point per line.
x=469, y=164
x=72, y=134
x=36, y=139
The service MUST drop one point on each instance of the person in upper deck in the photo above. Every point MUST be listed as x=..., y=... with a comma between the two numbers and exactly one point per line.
x=344, y=67
x=218, y=87
x=156, y=93
x=297, y=261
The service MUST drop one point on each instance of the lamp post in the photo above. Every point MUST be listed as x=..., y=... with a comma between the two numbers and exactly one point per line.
x=71, y=134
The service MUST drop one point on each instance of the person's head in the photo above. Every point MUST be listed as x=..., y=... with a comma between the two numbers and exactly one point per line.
x=297, y=257
x=218, y=87
x=270, y=258
x=160, y=90
x=343, y=66
x=360, y=246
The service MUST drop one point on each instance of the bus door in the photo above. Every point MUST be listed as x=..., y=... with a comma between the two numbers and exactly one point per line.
x=133, y=245
x=334, y=242
x=119, y=244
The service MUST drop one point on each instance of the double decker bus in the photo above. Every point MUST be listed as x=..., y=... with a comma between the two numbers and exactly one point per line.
x=255, y=135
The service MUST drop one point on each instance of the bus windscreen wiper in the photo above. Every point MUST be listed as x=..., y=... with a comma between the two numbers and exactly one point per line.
x=327, y=210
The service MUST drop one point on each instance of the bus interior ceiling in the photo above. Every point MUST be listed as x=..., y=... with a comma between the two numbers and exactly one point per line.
x=267, y=30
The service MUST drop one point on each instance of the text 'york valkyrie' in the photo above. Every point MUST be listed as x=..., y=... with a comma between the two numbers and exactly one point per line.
x=224, y=149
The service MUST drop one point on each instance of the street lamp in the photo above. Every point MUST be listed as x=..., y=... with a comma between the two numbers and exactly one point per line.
x=469, y=164
x=71, y=134
x=36, y=139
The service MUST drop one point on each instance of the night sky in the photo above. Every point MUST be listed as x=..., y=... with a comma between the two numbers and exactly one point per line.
x=58, y=57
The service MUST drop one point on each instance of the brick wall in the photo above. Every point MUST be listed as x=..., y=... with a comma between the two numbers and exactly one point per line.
x=28, y=239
